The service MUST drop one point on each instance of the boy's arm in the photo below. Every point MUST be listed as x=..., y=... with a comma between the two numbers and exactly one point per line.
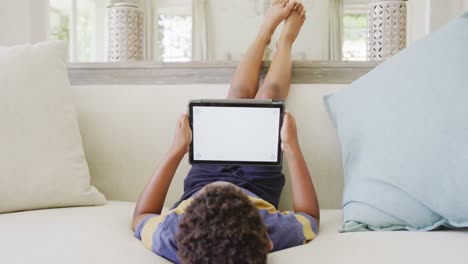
x=152, y=198
x=304, y=196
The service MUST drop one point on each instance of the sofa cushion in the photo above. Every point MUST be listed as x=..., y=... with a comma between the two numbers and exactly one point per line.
x=42, y=163
x=102, y=234
x=95, y=234
x=403, y=130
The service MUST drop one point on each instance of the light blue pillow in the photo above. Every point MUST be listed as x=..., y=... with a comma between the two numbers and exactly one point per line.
x=404, y=134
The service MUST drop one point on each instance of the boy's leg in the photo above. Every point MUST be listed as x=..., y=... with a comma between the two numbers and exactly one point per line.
x=270, y=180
x=244, y=84
x=278, y=79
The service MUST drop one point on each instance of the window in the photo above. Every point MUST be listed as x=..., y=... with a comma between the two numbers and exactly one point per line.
x=83, y=24
x=355, y=33
x=174, y=35
x=80, y=23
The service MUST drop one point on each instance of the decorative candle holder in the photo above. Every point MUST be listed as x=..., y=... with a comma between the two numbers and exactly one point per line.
x=126, y=35
x=387, y=28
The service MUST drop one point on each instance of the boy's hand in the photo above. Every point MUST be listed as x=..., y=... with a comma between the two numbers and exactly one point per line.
x=183, y=135
x=288, y=132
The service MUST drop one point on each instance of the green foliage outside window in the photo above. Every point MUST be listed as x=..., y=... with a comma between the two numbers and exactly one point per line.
x=59, y=29
x=355, y=26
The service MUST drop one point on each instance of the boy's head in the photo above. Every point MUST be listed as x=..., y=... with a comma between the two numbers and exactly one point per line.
x=221, y=225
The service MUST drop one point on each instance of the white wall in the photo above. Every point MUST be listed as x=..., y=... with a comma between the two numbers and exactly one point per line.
x=443, y=11
x=426, y=16
x=418, y=19
x=14, y=23
x=22, y=21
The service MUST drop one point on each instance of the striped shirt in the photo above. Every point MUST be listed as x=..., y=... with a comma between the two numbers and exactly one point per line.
x=285, y=229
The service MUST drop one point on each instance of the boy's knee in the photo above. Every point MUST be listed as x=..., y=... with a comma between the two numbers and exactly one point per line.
x=236, y=92
x=270, y=91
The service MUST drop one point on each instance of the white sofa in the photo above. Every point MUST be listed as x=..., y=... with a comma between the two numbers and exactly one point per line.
x=127, y=129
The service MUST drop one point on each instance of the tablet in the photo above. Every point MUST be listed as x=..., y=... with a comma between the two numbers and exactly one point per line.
x=241, y=132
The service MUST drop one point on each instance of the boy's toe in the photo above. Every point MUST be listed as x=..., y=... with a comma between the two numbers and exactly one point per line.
x=301, y=7
x=290, y=4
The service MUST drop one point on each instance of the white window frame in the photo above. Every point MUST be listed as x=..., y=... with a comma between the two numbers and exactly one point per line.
x=73, y=29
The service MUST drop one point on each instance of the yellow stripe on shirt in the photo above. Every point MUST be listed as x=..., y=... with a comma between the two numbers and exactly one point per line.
x=148, y=230
x=261, y=204
x=306, y=227
x=182, y=206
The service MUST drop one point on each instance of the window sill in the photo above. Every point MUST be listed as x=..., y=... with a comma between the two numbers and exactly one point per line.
x=150, y=73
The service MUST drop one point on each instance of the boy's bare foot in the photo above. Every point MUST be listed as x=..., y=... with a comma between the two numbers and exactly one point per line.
x=279, y=11
x=293, y=25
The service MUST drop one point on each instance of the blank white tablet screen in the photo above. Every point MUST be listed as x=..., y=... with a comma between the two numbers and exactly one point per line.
x=235, y=133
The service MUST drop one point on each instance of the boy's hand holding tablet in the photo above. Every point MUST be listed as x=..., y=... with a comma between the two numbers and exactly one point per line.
x=183, y=135
x=288, y=132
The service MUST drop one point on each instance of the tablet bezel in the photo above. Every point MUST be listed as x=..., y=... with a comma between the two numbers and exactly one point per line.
x=238, y=103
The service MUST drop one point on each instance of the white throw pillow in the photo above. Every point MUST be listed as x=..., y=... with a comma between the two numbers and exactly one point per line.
x=42, y=163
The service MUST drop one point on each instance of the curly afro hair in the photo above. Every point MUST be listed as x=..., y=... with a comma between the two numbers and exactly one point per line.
x=221, y=225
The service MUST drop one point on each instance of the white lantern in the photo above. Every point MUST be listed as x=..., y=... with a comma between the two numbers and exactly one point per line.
x=126, y=32
x=387, y=29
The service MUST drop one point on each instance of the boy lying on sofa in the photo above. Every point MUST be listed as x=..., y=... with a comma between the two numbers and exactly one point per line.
x=228, y=214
